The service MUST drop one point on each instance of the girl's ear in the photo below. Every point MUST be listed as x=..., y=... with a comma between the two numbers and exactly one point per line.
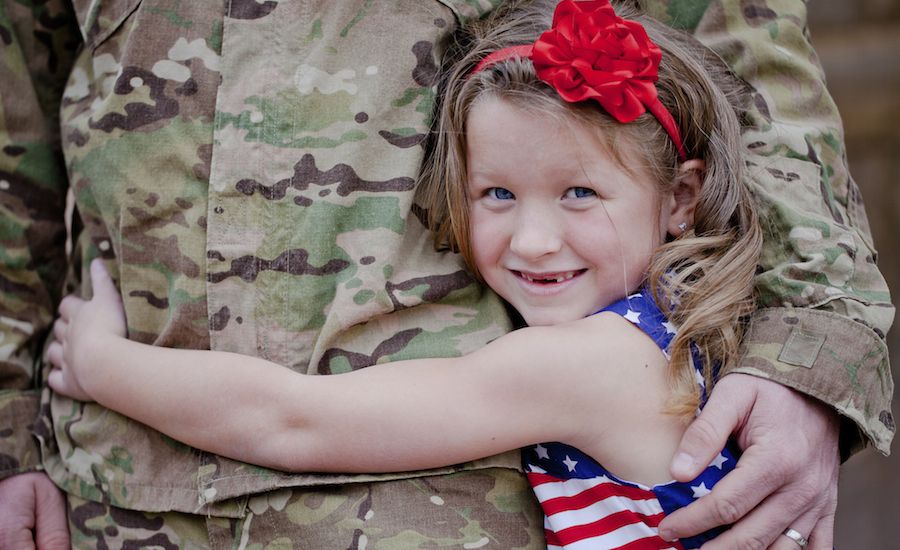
x=685, y=195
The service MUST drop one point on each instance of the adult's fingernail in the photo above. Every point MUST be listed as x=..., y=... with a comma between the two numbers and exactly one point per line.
x=683, y=463
x=667, y=535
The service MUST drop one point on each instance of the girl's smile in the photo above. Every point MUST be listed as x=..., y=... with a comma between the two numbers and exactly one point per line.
x=549, y=278
x=547, y=284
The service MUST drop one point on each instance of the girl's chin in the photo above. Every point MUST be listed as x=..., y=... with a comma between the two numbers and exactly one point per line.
x=547, y=318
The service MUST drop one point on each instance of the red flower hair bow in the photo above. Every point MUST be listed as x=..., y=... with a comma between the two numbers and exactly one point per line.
x=592, y=53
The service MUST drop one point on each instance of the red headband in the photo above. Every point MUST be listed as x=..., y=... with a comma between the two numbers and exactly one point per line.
x=592, y=53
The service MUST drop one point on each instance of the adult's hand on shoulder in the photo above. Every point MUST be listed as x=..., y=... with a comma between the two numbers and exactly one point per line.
x=786, y=476
x=32, y=513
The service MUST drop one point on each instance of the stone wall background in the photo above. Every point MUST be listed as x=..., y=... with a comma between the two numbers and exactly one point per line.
x=858, y=42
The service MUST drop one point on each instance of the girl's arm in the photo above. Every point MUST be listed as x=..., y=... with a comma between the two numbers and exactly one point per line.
x=533, y=385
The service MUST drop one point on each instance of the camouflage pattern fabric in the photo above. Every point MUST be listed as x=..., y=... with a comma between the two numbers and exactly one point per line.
x=824, y=306
x=437, y=513
x=248, y=176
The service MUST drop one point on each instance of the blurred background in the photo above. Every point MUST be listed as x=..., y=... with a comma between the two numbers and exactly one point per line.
x=858, y=42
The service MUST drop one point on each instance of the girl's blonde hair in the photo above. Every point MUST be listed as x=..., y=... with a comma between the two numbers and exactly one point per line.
x=704, y=277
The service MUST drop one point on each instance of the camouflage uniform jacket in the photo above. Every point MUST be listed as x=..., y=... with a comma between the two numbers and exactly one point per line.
x=248, y=176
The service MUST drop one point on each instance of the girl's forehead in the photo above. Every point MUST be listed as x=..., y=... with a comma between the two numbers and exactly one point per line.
x=502, y=135
x=544, y=119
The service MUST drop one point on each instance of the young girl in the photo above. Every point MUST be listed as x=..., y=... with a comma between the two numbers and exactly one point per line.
x=590, y=175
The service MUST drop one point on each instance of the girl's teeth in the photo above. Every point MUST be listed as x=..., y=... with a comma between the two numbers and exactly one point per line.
x=557, y=279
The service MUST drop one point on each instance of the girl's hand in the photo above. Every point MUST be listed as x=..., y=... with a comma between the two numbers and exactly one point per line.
x=82, y=330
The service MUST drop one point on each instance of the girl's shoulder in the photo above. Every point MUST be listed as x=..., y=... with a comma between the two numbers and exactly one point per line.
x=608, y=336
x=614, y=332
x=614, y=325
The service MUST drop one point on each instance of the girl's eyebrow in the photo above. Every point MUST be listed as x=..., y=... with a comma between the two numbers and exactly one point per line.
x=477, y=176
x=485, y=173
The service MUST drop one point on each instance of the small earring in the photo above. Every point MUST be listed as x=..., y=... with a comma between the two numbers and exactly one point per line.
x=682, y=226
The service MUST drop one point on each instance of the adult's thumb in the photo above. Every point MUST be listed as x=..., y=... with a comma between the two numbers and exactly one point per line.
x=51, y=530
x=709, y=432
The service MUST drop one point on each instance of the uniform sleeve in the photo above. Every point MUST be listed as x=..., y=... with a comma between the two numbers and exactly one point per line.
x=824, y=308
x=37, y=44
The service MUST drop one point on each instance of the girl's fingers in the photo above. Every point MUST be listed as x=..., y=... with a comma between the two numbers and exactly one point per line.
x=102, y=283
x=55, y=356
x=59, y=329
x=62, y=382
x=56, y=380
x=69, y=306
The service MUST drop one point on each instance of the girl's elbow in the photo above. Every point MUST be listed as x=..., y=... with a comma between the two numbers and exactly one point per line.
x=289, y=449
x=289, y=454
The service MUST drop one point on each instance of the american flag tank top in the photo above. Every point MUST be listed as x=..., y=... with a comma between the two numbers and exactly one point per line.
x=586, y=506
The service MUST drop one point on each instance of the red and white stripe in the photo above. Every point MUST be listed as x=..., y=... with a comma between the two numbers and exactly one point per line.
x=598, y=514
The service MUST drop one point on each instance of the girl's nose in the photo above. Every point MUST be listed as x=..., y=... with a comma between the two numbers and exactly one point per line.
x=535, y=236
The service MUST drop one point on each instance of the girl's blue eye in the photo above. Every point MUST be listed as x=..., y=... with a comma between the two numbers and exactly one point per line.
x=579, y=193
x=500, y=193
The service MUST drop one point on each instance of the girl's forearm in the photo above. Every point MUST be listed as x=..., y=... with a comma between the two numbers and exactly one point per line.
x=217, y=401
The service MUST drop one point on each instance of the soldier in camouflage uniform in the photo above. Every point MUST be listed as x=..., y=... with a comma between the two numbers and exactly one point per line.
x=247, y=168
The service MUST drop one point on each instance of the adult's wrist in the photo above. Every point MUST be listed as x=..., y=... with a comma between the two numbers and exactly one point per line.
x=835, y=360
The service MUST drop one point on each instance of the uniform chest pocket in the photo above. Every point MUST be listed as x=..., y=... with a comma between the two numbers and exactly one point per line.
x=98, y=19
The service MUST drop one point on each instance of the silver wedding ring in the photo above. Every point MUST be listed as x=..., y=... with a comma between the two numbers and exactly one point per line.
x=795, y=536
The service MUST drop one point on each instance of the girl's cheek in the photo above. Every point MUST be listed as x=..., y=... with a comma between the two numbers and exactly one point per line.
x=488, y=234
x=482, y=222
